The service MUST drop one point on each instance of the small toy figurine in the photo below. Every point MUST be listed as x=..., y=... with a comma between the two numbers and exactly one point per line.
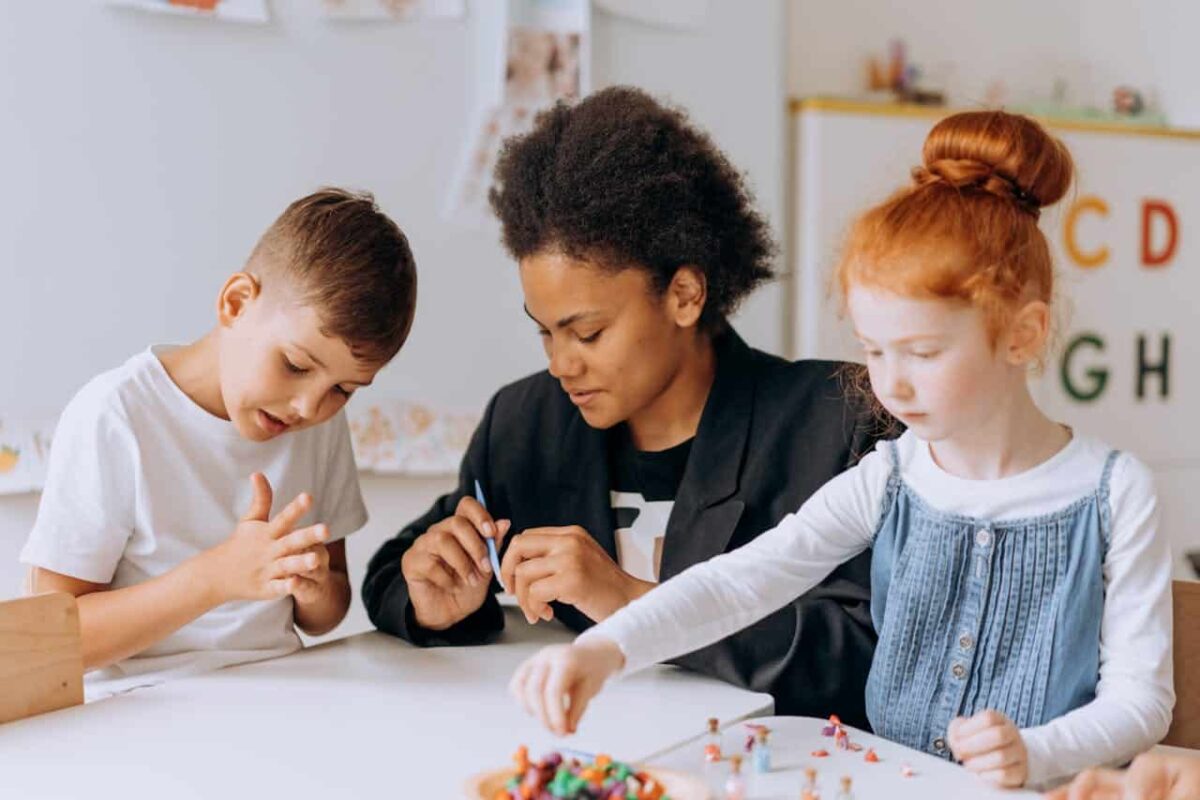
x=762, y=752
x=712, y=741
x=871, y=757
x=844, y=793
x=735, y=786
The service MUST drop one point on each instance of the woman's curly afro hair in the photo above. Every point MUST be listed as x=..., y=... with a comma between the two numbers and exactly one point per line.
x=622, y=181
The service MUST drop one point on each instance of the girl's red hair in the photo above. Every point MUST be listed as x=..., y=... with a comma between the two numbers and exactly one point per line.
x=966, y=228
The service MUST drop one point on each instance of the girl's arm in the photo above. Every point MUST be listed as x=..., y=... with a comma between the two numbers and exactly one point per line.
x=1135, y=695
x=709, y=601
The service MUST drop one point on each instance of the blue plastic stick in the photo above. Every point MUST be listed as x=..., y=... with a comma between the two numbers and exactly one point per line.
x=491, y=543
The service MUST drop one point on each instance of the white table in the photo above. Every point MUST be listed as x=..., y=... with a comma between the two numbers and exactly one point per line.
x=365, y=716
x=792, y=741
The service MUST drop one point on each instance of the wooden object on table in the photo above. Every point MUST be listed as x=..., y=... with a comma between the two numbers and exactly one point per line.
x=41, y=659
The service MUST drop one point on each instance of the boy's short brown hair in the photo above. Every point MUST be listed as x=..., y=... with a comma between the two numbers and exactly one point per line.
x=350, y=262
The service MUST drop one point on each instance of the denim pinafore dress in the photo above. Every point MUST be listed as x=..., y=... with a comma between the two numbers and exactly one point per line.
x=976, y=614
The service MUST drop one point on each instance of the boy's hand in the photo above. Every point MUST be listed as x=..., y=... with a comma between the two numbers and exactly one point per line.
x=447, y=568
x=311, y=585
x=260, y=559
x=557, y=683
x=990, y=745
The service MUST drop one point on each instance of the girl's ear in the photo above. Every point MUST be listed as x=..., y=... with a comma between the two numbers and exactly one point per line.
x=1029, y=333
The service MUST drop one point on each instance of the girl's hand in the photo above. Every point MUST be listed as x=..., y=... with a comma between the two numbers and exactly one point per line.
x=557, y=683
x=990, y=745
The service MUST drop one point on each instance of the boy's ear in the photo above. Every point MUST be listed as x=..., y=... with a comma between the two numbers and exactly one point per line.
x=240, y=290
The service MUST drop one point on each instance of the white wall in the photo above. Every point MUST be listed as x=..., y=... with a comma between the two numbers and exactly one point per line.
x=1094, y=44
x=142, y=155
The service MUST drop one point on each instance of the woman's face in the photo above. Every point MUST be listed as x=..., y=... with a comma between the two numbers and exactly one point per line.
x=614, y=343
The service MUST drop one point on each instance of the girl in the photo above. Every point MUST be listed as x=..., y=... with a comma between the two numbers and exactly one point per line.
x=1020, y=589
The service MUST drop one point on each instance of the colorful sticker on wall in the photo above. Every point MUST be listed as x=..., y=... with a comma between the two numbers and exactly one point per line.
x=546, y=57
x=24, y=450
x=382, y=10
x=233, y=10
x=395, y=436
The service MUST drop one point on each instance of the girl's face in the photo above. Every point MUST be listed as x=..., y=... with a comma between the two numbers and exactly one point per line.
x=613, y=342
x=931, y=362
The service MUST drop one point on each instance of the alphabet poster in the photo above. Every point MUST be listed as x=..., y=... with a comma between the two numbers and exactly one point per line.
x=1125, y=365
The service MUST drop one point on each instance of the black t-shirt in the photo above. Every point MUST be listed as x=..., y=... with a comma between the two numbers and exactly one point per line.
x=642, y=489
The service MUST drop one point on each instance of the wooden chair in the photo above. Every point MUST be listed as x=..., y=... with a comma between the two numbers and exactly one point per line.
x=41, y=660
x=1185, y=727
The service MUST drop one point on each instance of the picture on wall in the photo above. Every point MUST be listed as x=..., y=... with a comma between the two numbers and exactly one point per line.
x=545, y=60
x=233, y=10
x=382, y=10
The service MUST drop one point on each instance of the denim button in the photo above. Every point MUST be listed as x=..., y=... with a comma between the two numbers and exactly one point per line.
x=965, y=641
x=959, y=670
x=939, y=744
x=983, y=537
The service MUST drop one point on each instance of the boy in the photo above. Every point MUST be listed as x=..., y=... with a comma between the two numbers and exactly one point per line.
x=179, y=563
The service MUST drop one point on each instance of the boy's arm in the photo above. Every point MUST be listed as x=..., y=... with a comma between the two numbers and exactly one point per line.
x=117, y=624
x=259, y=561
x=323, y=600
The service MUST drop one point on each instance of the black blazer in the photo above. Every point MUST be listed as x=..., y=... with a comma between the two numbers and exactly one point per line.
x=771, y=433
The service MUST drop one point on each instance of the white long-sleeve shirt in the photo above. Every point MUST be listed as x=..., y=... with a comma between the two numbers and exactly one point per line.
x=1134, y=695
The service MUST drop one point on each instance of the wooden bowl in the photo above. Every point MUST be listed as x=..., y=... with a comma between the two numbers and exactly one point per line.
x=679, y=785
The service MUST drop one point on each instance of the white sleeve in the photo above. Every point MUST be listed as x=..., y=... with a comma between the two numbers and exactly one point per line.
x=86, y=512
x=1135, y=694
x=718, y=597
x=340, y=499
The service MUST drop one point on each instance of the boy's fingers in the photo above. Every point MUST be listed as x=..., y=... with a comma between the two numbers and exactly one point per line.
x=295, y=565
x=286, y=520
x=301, y=540
x=260, y=501
x=278, y=587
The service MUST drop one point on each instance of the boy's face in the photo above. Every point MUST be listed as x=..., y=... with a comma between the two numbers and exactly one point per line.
x=279, y=373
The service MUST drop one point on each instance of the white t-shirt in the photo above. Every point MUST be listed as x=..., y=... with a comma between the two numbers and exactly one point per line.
x=141, y=479
x=1135, y=694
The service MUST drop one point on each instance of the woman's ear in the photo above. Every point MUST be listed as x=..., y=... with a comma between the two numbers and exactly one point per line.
x=240, y=290
x=686, y=295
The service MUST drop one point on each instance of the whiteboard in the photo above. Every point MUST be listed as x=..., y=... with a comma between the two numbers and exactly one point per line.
x=848, y=156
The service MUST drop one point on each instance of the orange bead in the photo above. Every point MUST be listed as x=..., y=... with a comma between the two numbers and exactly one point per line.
x=870, y=757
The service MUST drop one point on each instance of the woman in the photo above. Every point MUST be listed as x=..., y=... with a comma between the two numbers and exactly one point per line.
x=657, y=438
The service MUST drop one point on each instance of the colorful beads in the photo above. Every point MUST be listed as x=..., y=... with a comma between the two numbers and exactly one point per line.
x=556, y=778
